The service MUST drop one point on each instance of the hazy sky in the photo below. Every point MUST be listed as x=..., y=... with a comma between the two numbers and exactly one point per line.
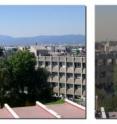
x=41, y=20
x=106, y=23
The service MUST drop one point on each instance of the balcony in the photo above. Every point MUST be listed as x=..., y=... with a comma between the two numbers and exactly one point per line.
x=56, y=89
x=70, y=69
x=84, y=71
x=78, y=92
x=62, y=69
x=62, y=90
x=55, y=79
x=63, y=79
x=70, y=80
x=42, y=66
x=48, y=68
x=84, y=82
x=78, y=81
x=55, y=59
x=84, y=59
x=70, y=59
x=70, y=91
x=55, y=68
x=62, y=59
x=78, y=70
x=84, y=93
x=49, y=79
x=41, y=58
x=78, y=59
x=48, y=58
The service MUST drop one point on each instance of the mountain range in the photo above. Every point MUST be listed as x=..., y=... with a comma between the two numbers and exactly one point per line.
x=42, y=39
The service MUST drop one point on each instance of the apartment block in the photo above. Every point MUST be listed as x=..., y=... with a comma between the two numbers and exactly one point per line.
x=67, y=74
x=106, y=63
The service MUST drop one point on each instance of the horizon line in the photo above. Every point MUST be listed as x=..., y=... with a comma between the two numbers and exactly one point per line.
x=39, y=35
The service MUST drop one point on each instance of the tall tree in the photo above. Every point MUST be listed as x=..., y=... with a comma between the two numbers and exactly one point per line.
x=1, y=51
x=23, y=66
x=19, y=78
x=5, y=79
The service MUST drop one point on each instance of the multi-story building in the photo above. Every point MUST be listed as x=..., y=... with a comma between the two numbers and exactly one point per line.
x=105, y=67
x=105, y=63
x=67, y=73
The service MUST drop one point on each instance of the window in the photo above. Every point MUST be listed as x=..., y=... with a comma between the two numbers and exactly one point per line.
x=69, y=86
x=41, y=63
x=77, y=65
x=109, y=61
x=100, y=62
x=103, y=74
x=62, y=64
x=47, y=63
x=69, y=64
x=69, y=75
x=77, y=76
x=84, y=65
x=54, y=63
x=62, y=85
x=84, y=76
x=54, y=74
x=54, y=84
x=61, y=75
x=77, y=87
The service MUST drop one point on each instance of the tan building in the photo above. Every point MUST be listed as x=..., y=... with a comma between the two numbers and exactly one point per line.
x=67, y=74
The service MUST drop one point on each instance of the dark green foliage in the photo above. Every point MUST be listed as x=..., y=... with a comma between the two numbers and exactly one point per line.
x=20, y=81
x=1, y=51
x=107, y=93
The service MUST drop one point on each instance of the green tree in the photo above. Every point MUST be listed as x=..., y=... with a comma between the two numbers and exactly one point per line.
x=115, y=79
x=1, y=51
x=42, y=86
x=21, y=80
x=22, y=64
x=4, y=79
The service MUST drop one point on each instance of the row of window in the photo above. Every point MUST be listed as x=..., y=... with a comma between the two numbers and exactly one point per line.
x=70, y=96
x=62, y=64
x=108, y=61
x=68, y=86
x=68, y=75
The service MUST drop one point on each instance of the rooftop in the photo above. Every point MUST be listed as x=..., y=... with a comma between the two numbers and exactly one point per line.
x=68, y=109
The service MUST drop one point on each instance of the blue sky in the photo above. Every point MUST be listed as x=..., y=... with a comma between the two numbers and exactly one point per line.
x=25, y=21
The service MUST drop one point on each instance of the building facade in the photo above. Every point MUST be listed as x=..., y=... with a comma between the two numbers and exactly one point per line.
x=106, y=64
x=67, y=74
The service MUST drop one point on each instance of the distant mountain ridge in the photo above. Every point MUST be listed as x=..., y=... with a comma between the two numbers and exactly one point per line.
x=42, y=39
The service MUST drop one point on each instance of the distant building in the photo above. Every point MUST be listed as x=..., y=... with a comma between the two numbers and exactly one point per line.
x=105, y=65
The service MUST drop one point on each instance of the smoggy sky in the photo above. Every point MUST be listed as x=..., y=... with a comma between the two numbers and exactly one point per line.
x=106, y=23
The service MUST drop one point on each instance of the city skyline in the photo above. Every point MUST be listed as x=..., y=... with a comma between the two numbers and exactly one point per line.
x=34, y=20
